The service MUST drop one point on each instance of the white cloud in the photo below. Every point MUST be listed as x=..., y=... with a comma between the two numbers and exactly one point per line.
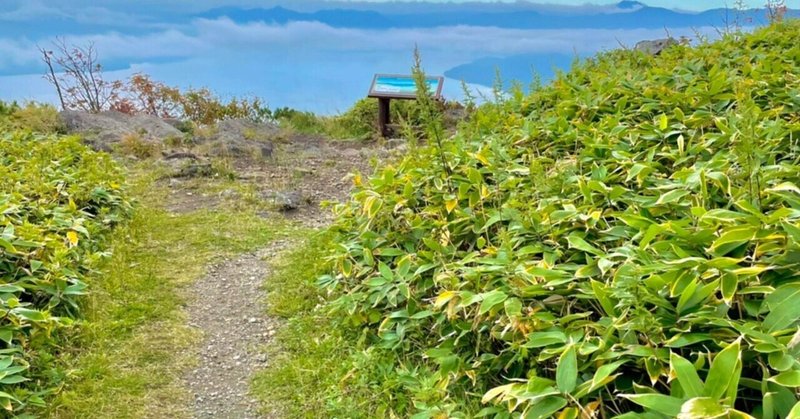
x=30, y=10
x=16, y=53
x=299, y=36
x=204, y=38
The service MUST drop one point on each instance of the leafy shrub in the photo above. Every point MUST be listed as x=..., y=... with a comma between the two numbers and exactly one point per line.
x=142, y=95
x=202, y=107
x=134, y=145
x=623, y=241
x=301, y=121
x=58, y=200
x=33, y=116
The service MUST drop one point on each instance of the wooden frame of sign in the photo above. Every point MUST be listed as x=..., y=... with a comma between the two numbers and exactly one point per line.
x=386, y=87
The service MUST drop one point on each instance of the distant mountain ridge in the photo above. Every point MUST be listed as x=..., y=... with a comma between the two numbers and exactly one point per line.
x=626, y=15
x=630, y=4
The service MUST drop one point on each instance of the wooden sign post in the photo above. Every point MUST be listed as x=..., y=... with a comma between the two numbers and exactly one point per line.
x=386, y=87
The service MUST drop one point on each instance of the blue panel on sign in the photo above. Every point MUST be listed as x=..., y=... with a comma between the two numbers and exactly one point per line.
x=402, y=87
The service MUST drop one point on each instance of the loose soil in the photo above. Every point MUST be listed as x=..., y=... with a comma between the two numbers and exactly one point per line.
x=227, y=309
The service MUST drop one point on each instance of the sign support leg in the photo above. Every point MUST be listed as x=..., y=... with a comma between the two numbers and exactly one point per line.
x=384, y=117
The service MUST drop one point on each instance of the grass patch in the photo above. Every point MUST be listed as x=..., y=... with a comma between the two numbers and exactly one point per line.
x=135, y=344
x=313, y=350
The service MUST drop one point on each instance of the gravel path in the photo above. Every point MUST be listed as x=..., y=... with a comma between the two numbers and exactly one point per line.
x=226, y=305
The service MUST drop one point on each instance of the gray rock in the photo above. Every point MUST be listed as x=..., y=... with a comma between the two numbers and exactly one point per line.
x=241, y=138
x=180, y=155
x=266, y=150
x=229, y=194
x=195, y=169
x=395, y=142
x=655, y=47
x=285, y=201
x=246, y=129
x=104, y=129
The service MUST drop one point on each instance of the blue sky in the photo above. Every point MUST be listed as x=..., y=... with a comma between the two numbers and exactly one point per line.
x=189, y=5
x=682, y=4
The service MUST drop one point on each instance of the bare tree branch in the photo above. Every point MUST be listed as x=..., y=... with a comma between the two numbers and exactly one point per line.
x=78, y=77
x=50, y=76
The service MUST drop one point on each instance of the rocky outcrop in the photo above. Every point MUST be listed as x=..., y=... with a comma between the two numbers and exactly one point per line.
x=240, y=138
x=656, y=46
x=102, y=130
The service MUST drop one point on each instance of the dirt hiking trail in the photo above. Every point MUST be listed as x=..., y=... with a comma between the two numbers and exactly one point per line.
x=227, y=305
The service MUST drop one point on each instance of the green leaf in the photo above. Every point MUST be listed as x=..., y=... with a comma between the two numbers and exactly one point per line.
x=605, y=265
x=787, y=379
x=5, y=244
x=604, y=298
x=784, y=304
x=681, y=340
x=701, y=407
x=10, y=288
x=687, y=375
x=496, y=392
x=784, y=187
x=547, y=273
x=489, y=411
x=541, y=339
x=736, y=237
x=421, y=315
x=545, y=408
x=672, y=196
x=567, y=370
x=513, y=307
x=781, y=361
x=795, y=412
x=768, y=406
x=601, y=377
x=729, y=283
x=577, y=242
x=720, y=374
x=4, y=395
x=28, y=314
x=386, y=272
x=663, y=122
x=376, y=281
x=666, y=405
x=696, y=294
x=14, y=379
x=492, y=299
x=792, y=230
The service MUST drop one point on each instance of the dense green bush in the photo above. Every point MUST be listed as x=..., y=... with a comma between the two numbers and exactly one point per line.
x=58, y=200
x=31, y=116
x=624, y=241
